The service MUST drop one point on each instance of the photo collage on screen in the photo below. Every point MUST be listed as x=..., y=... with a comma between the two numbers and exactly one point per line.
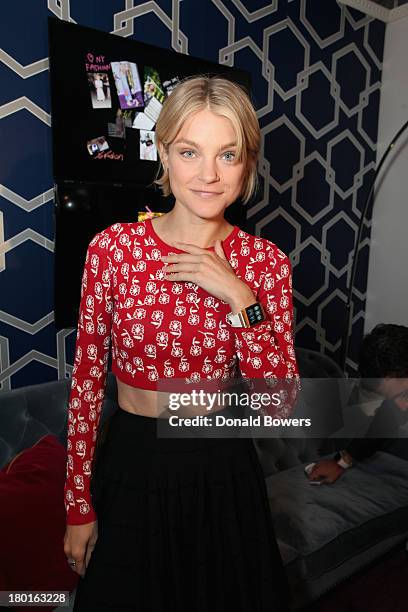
x=134, y=95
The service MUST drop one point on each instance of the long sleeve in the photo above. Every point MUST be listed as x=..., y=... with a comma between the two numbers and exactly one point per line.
x=88, y=380
x=266, y=350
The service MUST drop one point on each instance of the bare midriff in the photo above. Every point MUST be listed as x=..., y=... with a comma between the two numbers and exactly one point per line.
x=151, y=403
x=145, y=402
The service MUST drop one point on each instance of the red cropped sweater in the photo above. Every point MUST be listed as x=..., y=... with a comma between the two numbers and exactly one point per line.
x=162, y=329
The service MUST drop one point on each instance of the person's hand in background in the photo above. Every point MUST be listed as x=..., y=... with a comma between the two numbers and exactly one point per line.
x=329, y=469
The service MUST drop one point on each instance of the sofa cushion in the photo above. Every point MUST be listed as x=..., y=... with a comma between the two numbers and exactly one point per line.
x=32, y=520
x=29, y=413
x=328, y=524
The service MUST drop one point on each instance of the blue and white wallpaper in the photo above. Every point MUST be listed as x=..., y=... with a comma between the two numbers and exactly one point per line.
x=316, y=71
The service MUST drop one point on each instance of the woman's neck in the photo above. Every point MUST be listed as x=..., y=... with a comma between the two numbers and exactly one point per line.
x=172, y=228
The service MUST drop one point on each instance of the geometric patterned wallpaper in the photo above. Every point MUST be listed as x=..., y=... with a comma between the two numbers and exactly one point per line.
x=316, y=74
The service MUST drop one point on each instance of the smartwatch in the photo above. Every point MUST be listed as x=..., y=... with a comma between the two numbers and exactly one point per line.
x=247, y=317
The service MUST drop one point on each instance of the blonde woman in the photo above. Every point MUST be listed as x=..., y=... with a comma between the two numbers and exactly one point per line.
x=170, y=522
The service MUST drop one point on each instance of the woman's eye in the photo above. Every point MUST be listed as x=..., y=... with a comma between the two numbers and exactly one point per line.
x=189, y=154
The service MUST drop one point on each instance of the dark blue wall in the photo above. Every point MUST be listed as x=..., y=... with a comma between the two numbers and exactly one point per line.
x=316, y=70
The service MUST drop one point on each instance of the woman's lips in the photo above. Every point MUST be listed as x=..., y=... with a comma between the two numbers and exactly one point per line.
x=206, y=194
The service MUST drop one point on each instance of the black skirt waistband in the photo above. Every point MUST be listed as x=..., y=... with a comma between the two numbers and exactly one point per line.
x=156, y=433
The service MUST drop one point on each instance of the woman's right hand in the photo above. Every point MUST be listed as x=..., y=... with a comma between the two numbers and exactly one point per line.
x=79, y=542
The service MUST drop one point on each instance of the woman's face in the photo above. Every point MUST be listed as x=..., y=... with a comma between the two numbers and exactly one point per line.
x=204, y=174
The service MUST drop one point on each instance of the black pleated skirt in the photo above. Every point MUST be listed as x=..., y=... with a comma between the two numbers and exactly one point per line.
x=183, y=525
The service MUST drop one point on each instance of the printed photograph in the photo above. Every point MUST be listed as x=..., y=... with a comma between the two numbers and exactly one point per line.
x=152, y=85
x=170, y=84
x=128, y=85
x=99, y=89
x=148, y=150
x=128, y=118
x=142, y=122
x=117, y=129
x=153, y=110
x=96, y=145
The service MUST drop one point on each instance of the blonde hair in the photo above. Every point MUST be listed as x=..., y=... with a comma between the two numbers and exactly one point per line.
x=224, y=98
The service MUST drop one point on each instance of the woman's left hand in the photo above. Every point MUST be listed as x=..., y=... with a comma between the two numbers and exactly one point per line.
x=210, y=270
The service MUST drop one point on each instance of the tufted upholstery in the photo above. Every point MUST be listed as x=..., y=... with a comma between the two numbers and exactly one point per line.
x=28, y=413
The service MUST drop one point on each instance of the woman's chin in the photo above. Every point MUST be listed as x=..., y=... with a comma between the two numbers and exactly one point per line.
x=208, y=209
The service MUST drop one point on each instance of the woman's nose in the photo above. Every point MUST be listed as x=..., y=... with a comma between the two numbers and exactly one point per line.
x=208, y=172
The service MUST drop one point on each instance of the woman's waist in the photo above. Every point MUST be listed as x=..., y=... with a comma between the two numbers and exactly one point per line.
x=202, y=400
x=186, y=415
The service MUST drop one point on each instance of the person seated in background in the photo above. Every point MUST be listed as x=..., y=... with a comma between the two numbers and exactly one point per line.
x=383, y=368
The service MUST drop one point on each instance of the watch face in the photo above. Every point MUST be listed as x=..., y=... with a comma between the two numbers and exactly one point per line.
x=255, y=314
